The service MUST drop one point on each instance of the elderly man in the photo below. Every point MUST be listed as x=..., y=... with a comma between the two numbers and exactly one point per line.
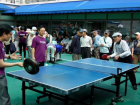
x=122, y=53
x=75, y=45
x=96, y=45
x=136, y=49
x=86, y=43
x=105, y=43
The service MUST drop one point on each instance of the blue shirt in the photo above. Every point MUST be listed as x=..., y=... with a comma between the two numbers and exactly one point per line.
x=96, y=40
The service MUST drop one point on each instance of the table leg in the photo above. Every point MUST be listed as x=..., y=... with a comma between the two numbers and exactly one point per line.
x=118, y=95
x=66, y=99
x=126, y=84
x=92, y=95
x=23, y=92
x=118, y=78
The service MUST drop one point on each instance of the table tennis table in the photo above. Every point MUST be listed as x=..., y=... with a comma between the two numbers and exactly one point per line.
x=60, y=80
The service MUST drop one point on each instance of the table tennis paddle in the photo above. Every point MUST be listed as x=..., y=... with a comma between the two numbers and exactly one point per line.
x=31, y=66
x=104, y=56
x=133, y=58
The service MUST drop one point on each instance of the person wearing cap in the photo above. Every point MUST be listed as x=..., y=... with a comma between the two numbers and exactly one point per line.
x=29, y=43
x=75, y=45
x=105, y=43
x=16, y=39
x=86, y=44
x=136, y=49
x=129, y=41
x=122, y=53
x=96, y=45
x=22, y=40
x=69, y=44
x=35, y=30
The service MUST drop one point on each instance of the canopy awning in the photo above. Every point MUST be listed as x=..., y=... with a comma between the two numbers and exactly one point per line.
x=79, y=7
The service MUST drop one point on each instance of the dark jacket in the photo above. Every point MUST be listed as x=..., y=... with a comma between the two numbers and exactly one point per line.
x=75, y=45
x=136, y=49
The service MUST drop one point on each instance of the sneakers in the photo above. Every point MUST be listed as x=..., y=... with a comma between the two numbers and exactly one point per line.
x=138, y=83
x=135, y=87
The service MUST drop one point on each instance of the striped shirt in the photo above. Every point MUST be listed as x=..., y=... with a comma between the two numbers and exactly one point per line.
x=121, y=49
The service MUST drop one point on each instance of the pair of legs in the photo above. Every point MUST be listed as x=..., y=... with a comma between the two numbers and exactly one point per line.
x=4, y=96
x=29, y=51
x=97, y=52
x=8, y=49
x=68, y=47
x=130, y=73
x=85, y=52
x=17, y=45
x=136, y=60
x=50, y=50
x=22, y=46
x=76, y=57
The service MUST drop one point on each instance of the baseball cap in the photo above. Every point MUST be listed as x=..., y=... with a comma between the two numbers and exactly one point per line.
x=95, y=31
x=116, y=34
x=107, y=31
x=84, y=30
x=34, y=28
x=80, y=30
x=28, y=30
x=137, y=33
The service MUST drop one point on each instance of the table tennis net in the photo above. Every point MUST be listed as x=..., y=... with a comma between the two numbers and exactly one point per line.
x=92, y=67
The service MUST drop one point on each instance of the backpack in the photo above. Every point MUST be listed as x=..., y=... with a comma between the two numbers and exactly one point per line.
x=58, y=48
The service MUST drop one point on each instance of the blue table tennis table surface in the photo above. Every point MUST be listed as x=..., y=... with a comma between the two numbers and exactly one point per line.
x=67, y=79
